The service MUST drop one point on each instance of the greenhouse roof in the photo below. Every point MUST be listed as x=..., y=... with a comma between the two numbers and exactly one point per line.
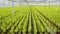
x=32, y=0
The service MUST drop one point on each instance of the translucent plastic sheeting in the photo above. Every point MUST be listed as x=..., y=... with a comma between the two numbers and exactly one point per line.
x=51, y=0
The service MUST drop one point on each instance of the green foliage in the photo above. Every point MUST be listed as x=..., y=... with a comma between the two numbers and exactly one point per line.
x=30, y=19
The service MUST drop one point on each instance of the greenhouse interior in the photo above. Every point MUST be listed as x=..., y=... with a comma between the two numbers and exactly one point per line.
x=29, y=16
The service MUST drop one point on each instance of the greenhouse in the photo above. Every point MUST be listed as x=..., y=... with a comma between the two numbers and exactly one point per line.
x=29, y=16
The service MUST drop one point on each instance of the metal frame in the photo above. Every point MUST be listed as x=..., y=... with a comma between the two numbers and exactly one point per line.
x=12, y=6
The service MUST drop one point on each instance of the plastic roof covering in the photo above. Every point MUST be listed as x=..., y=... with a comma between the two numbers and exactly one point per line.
x=31, y=2
x=34, y=1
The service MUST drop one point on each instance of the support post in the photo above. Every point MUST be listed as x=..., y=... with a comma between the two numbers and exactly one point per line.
x=12, y=6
